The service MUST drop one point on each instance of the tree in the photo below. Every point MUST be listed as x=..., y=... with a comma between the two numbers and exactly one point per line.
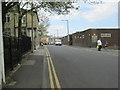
x=43, y=29
x=52, y=7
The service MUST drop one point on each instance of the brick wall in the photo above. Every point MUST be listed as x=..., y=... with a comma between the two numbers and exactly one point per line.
x=88, y=38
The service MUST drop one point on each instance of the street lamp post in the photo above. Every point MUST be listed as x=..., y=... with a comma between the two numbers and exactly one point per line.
x=54, y=38
x=67, y=30
x=57, y=34
x=90, y=40
x=32, y=30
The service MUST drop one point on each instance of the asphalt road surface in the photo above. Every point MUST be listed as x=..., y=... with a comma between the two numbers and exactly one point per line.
x=84, y=67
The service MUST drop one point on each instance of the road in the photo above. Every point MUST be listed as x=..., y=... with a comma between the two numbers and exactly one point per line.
x=84, y=67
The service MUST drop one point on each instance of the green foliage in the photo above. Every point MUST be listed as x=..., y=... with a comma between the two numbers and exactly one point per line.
x=56, y=7
x=52, y=7
x=43, y=29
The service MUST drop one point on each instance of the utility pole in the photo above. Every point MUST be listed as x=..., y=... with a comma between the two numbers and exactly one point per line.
x=54, y=38
x=32, y=29
x=57, y=34
x=67, y=30
x=14, y=25
x=2, y=71
x=27, y=17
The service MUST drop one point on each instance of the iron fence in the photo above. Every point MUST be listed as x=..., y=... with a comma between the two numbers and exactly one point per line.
x=14, y=48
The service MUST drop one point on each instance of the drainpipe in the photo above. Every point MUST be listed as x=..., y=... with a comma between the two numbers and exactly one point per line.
x=2, y=71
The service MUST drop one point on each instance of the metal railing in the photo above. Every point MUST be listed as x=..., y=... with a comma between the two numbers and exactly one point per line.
x=14, y=48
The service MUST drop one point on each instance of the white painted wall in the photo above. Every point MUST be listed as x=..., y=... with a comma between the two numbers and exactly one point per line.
x=2, y=74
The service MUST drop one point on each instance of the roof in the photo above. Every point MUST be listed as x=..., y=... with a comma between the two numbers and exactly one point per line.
x=96, y=29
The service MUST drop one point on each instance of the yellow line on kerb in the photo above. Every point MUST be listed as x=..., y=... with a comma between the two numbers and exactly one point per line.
x=50, y=73
x=54, y=72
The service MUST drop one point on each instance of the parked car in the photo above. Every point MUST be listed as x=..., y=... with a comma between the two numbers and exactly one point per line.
x=44, y=42
x=58, y=42
x=51, y=43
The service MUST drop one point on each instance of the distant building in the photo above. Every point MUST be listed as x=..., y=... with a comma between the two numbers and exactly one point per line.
x=65, y=40
x=88, y=38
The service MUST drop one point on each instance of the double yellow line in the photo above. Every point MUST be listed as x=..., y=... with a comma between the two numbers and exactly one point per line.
x=52, y=72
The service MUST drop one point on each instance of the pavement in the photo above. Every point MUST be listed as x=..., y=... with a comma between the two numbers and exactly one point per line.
x=30, y=72
x=107, y=51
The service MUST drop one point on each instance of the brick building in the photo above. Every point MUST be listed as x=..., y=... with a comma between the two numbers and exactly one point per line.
x=65, y=40
x=89, y=37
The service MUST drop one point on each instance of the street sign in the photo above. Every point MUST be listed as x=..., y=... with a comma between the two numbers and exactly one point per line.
x=105, y=34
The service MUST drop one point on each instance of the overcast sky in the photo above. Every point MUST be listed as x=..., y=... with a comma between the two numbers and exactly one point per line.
x=103, y=15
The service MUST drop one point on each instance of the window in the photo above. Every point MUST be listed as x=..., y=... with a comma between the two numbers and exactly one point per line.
x=7, y=18
x=24, y=19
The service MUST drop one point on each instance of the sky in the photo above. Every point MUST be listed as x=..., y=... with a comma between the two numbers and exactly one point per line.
x=90, y=15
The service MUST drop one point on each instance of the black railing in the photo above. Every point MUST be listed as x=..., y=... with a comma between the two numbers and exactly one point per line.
x=14, y=48
x=25, y=44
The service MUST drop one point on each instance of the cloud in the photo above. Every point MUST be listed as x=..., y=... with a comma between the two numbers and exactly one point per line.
x=100, y=12
x=56, y=27
x=93, y=12
x=74, y=14
x=110, y=1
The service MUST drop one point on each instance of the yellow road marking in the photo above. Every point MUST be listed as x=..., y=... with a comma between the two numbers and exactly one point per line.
x=50, y=74
x=55, y=75
x=54, y=72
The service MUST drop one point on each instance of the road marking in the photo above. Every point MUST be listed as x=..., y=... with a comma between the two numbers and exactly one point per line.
x=53, y=69
x=50, y=74
x=55, y=75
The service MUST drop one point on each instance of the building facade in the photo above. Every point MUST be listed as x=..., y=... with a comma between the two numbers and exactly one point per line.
x=11, y=26
x=88, y=38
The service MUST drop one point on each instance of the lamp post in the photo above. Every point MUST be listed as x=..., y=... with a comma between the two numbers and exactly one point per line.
x=57, y=34
x=90, y=40
x=32, y=30
x=67, y=30
x=54, y=38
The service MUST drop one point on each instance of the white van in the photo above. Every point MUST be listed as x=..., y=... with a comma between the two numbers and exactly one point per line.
x=58, y=42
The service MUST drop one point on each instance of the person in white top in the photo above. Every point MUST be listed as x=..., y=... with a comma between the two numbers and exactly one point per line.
x=99, y=43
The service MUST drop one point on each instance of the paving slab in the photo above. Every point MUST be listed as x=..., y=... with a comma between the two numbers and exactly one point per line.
x=30, y=74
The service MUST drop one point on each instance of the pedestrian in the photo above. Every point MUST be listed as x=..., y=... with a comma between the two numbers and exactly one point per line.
x=106, y=44
x=99, y=44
